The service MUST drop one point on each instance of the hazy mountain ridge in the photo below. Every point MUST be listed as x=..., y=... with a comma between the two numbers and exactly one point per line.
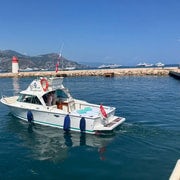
x=44, y=61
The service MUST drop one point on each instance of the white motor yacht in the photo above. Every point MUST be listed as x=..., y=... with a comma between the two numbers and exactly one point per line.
x=46, y=101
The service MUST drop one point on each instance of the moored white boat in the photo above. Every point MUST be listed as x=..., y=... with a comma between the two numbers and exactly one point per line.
x=111, y=66
x=144, y=65
x=70, y=68
x=159, y=64
x=46, y=101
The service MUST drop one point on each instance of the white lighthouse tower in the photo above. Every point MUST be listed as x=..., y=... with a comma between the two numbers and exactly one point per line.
x=15, y=65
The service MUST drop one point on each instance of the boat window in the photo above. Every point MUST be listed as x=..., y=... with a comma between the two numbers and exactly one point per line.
x=35, y=100
x=28, y=99
x=21, y=97
x=61, y=94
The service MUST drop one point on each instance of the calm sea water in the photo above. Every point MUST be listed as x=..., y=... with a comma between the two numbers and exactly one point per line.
x=146, y=146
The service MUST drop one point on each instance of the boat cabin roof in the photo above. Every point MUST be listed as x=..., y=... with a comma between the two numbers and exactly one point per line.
x=38, y=93
x=43, y=85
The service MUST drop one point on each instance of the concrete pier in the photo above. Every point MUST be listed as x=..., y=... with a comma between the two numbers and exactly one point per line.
x=175, y=74
x=97, y=72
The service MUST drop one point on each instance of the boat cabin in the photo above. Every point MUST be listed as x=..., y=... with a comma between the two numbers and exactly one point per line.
x=55, y=94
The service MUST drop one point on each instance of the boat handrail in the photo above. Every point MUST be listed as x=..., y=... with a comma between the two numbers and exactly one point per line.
x=4, y=96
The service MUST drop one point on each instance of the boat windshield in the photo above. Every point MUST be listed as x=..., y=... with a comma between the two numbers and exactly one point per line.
x=61, y=94
x=29, y=99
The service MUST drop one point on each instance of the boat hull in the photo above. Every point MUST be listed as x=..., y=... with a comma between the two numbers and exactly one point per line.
x=58, y=120
x=53, y=119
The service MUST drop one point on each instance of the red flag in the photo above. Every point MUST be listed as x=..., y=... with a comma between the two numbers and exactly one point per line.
x=103, y=112
x=58, y=62
x=56, y=67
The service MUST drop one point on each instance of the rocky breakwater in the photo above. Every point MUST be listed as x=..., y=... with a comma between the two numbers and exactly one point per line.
x=96, y=72
x=120, y=72
x=143, y=72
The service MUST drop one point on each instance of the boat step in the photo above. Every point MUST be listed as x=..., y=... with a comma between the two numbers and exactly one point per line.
x=113, y=122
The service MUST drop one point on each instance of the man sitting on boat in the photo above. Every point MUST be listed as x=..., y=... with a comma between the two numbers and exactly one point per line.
x=49, y=98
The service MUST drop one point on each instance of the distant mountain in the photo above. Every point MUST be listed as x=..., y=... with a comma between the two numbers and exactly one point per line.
x=45, y=61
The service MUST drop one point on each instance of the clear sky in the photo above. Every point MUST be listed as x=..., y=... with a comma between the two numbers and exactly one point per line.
x=116, y=31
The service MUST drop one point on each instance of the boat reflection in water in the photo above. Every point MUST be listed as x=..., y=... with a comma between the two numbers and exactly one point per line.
x=53, y=144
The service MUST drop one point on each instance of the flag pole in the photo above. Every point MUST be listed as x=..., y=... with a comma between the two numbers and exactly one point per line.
x=58, y=61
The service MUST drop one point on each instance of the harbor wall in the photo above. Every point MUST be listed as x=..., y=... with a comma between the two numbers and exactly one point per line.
x=97, y=72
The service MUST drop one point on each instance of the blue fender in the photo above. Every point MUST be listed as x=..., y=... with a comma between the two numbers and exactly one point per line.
x=30, y=116
x=82, y=124
x=67, y=121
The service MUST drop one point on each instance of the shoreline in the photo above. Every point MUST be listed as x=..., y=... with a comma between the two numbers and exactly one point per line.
x=157, y=71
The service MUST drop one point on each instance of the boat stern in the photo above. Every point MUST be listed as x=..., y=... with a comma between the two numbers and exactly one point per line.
x=109, y=125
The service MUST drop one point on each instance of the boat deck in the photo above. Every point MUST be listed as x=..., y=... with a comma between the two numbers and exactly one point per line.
x=9, y=100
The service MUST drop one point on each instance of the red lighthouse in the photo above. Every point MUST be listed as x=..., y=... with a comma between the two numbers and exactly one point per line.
x=15, y=65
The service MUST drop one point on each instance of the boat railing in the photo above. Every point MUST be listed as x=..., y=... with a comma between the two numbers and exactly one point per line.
x=80, y=105
x=55, y=82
